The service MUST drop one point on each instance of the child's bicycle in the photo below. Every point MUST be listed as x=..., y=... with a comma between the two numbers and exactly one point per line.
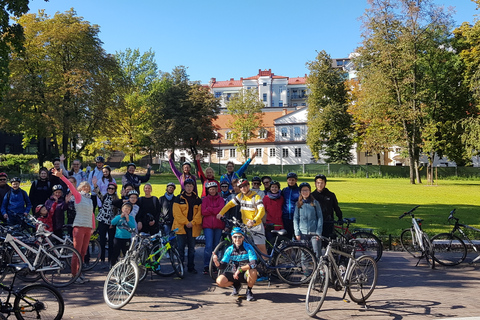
x=160, y=256
x=37, y=301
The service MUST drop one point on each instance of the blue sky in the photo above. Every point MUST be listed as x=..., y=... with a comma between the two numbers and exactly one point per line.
x=227, y=39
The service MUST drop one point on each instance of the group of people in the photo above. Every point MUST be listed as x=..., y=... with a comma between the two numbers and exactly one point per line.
x=199, y=206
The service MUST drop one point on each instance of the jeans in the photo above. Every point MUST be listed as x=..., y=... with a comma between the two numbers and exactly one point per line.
x=316, y=244
x=212, y=239
x=184, y=240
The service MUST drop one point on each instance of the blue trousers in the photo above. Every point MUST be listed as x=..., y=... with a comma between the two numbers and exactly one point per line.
x=212, y=239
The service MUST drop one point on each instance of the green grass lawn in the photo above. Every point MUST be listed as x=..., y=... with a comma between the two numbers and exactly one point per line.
x=377, y=203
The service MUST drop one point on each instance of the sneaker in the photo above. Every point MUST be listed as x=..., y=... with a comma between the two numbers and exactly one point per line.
x=79, y=280
x=250, y=295
x=192, y=271
x=262, y=279
x=206, y=271
x=236, y=290
x=82, y=277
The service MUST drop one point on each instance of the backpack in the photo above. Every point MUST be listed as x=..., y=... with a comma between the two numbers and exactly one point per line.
x=9, y=193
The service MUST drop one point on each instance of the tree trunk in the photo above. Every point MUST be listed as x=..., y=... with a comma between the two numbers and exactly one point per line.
x=132, y=155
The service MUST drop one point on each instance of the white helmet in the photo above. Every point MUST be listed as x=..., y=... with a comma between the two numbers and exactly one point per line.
x=210, y=184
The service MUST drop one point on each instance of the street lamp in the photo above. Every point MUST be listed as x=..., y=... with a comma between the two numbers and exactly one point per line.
x=218, y=156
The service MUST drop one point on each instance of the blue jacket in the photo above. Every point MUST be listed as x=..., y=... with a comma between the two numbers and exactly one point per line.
x=235, y=175
x=308, y=219
x=121, y=233
x=290, y=194
x=16, y=202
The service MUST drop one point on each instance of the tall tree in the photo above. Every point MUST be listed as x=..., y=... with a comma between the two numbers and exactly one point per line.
x=247, y=118
x=59, y=85
x=330, y=125
x=391, y=65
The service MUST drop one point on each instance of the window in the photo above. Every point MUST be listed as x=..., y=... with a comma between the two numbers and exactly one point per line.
x=218, y=94
x=272, y=152
x=228, y=135
x=161, y=155
x=284, y=132
x=298, y=152
x=294, y=104
x=248, y=88
x=228, y=96
x=368, y=154
x=8, y=148
x=296, y=132
x=339, y=63
x=280, y=90
x=264, y=84
x=284, y=153
x=219, y=153
x=398, y=150
x=233, y=153
x=259, y=152
x=280, y=103
x=262, y=133
x=264, y=97
x=304, y=104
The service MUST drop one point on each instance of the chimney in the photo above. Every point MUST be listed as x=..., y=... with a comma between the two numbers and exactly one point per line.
x=284, y=111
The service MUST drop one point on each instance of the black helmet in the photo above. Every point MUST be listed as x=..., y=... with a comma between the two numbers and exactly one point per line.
x=189, y=181
x=131, y=164
x=275, y=183
x=320, y=176
x=57, y=187
x=100, y=159
x=292, y=175
x=15, y=179
x=242, y=182
x=305, y=184
x=256, y=178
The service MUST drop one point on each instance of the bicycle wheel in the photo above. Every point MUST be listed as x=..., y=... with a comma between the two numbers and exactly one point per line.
x=429, y=254
x=367, y=243
x=95, y=251
x=410, y=244
x=295, y=264
x=38, y=301
x=449, y=249
x=121, y=283
x=176, y=262
x=362, y=279
x=59, y=274
x=164, y=267
x=219, y=251
x=142, y=257
x=317, y=290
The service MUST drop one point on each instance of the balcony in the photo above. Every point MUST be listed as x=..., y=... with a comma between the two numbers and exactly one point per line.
x=298, y=96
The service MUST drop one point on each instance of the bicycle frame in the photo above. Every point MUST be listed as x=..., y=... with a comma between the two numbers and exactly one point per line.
x=328, y=256
x=458, y=227
x=417, y=233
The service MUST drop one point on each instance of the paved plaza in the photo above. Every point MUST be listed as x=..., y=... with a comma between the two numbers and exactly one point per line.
x=404, y=291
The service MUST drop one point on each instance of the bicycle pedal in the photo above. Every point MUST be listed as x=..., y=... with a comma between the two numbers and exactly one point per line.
x=346, y=300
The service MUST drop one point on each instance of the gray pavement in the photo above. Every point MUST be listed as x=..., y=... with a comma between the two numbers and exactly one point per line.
x=404, y=291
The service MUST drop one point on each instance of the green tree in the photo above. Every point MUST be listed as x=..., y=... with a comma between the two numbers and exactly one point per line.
x=59, y=85
x=247, y=118
x=330, y=126
x=392, y=60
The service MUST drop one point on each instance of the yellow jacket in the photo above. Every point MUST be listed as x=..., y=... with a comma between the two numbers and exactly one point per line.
x=180, y=215
x=251, y=206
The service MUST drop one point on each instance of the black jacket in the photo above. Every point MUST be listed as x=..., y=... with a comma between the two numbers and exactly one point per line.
x=329, y=204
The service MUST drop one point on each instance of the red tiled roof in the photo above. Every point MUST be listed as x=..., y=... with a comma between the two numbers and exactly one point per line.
x=298, y=80
x=228, y=83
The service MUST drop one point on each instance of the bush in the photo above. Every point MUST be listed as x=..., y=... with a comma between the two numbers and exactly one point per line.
x=17, y=163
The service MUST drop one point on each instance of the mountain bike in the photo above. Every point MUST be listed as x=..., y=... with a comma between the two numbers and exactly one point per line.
x=37, y=301
x=366, y=242
x=356, y=276
x=416, y=242
x=449, y=248
x=293, y=262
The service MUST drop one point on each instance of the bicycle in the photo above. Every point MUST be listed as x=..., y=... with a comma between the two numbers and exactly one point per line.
x=366, y=242
x=416, y=242
x=358, y=278
x=122, y=280
x=293, y=262
x=449, y=248
x=163, y=258
x=33, y=301
x=52, y=263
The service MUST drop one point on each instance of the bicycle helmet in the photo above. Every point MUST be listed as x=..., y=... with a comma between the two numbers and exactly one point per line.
x=131, y=164
x=113, y=184
x=275, y=183
x=210, y=185
x=242, y=182
x=189, y=181
x=292, y=175
x=320, y=176
x=237, y=230
x=224, y=183
x=133, y=192
x=57, y=187
x=100, y=159
x=257, y=178
x=305, y=184
x=107, y=167
x=3, y=174
x=38, y=208
x=171, y=184
x=186, y=163
x=15, y=179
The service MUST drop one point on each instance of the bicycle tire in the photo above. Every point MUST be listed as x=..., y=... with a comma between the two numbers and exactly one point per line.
x=219, y=250
x=38, y=301
x=95, y=253
x=317, y=290
x=62, y=276
x=141, y=259
x=164, y=267
x=177, y=264
x=369, y=244
x=362, y=279
x=121, y=284
x=295, y=264
x=449, y=249
x=409, y=245
x=429, y=254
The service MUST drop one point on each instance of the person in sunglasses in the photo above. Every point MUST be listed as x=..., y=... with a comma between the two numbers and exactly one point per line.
x=239, y=263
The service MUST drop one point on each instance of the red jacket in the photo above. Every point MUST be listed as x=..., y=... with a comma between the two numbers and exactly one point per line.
x=211, y=206
x=273, y=209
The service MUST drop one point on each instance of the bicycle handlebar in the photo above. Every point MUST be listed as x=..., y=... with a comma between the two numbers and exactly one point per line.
x=409, y=212
x=451, y=215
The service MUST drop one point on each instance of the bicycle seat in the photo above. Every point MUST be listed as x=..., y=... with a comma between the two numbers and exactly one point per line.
x=350, y=220
x=18, y=266
x=419, y=220
x=144, y=235
x=281, y=232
